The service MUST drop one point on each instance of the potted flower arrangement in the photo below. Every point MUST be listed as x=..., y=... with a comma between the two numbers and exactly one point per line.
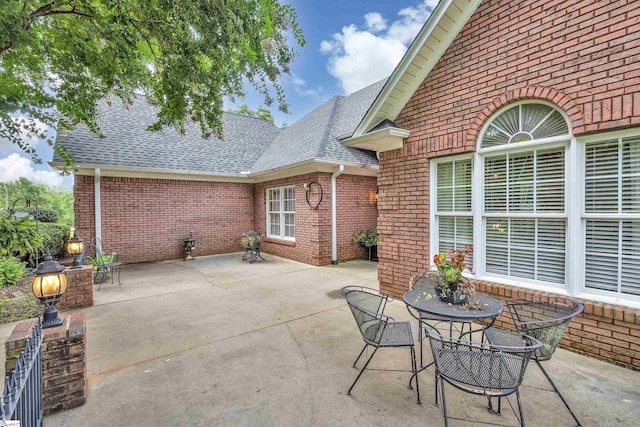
x=368, y=239
x=451, y=287
x=189, y=243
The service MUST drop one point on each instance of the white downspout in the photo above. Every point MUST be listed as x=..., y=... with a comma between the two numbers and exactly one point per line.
x=98, y=211
x=334, y=215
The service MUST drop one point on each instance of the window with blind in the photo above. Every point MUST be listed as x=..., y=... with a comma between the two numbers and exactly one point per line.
x=281, y=206
x=453, y=205
x=612, y=215
x=524, y=212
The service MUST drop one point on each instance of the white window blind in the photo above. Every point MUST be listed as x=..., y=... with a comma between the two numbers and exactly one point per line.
x=612, y=215
x=453, y=205
x=524, y=207
x=281, y=212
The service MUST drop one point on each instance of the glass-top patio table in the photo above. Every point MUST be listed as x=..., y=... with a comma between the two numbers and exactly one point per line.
x=429, y=307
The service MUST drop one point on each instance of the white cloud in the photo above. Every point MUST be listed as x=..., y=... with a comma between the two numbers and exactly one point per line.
x=375, y=21
x=299, y=86
x=15, y=166
x=359, y=57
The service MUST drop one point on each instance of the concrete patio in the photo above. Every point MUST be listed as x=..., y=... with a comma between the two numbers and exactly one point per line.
x=218, y=341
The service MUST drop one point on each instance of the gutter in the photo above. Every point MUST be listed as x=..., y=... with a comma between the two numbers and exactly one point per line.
x=334, y=215
x=98, y=211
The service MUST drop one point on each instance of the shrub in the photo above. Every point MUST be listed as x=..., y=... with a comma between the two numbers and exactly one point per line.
x=367, y=238
x=43, y=214
x=19, y=237
x=55, y=238
x=11, y=271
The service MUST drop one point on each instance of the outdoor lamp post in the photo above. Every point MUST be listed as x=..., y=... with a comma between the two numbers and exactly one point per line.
x=49, y=283
x=75, y=246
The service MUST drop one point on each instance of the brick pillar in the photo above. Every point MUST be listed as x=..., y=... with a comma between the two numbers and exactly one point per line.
x=79, y=292
x=64, y=361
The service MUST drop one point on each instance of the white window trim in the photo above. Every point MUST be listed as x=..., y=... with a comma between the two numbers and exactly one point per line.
x=282, y=212
x=433, y=203
x=574, y=212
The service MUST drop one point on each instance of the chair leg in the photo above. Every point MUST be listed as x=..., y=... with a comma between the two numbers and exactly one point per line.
x=362, y=371
x=520, y=408
x=436, y=383
x=444, y=403
x=119, y=268
x=558, y=392
x=414, y=367
x=363, y=349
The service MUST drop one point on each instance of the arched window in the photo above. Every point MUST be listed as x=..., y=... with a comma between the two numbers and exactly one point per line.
x=523, y=210
x=522, y=123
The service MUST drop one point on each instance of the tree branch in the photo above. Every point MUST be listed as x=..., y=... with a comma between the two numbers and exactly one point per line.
x=46, y=11
x=144, y=38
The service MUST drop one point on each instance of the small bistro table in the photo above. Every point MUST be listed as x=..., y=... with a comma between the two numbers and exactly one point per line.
x=435, y=309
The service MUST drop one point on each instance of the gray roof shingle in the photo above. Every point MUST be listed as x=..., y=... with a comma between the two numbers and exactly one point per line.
x=249, y=144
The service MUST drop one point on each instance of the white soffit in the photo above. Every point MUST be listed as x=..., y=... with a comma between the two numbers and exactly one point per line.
x=381, y=140
x=442, y=27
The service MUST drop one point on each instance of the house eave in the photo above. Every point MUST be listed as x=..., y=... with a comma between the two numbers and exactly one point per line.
x=307, y=166
x=380, y=140
x=445, y=22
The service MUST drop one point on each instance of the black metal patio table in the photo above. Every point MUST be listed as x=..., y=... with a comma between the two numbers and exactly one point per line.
x=427, y=302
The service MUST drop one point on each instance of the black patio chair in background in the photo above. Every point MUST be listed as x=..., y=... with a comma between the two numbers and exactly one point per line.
x=378, y=330
x=544, y=318
x=102, y=268
x=480, y=368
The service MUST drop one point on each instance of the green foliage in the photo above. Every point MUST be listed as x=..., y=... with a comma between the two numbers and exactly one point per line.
x=63, y=56
x=101, y=259
x=55, y=238
x=47, y=198
x=261, y=113
x=11, y=271
x=368, y=237
x=43, y=214
x=19, y=237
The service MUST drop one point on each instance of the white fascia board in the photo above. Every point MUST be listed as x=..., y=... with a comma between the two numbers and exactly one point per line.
x=380, y=140
x=307, y=166
x=463, y=9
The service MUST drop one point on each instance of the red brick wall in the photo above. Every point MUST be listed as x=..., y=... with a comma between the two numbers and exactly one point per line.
x=604, y=331
x=583, y=56
x=64, y=361
x=313, y=226
x=84, y=207
x=357, y=210
x=143, y=220
x=79, y=293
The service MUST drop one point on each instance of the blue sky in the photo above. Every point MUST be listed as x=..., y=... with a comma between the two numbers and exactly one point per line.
x=350, y=44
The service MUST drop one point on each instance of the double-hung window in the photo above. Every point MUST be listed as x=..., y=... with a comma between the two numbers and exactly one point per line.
x=612, y=216
x=453, y=216
x=281, y=216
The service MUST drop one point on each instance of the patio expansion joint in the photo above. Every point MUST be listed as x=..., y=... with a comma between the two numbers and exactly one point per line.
x=196, y=347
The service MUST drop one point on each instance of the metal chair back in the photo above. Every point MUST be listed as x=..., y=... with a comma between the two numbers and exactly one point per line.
x=367, y=306
x=544, y=318
x=481, y=366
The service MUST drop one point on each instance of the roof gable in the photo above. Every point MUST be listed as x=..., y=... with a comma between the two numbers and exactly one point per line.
x=444, y=24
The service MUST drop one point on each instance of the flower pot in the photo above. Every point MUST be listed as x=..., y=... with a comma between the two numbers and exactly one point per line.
x=453, y=296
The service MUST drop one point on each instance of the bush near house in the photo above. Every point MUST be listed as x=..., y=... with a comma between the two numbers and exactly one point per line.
x=43, y=214
x=11, y=271
x=55, y=238
x=19, y=237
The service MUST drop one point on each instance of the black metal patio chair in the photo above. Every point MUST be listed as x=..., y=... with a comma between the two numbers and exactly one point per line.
x=480, y=368
x=377, y=329
x=103, y=265
x=544, y=318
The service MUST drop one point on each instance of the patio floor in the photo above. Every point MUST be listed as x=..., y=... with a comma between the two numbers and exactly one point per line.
x=217, y=341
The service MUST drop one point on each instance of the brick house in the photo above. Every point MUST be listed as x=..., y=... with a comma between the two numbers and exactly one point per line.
x=517, y=130
x=141, y=191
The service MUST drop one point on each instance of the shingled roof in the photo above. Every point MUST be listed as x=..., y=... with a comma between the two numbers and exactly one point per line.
x=249, y=144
